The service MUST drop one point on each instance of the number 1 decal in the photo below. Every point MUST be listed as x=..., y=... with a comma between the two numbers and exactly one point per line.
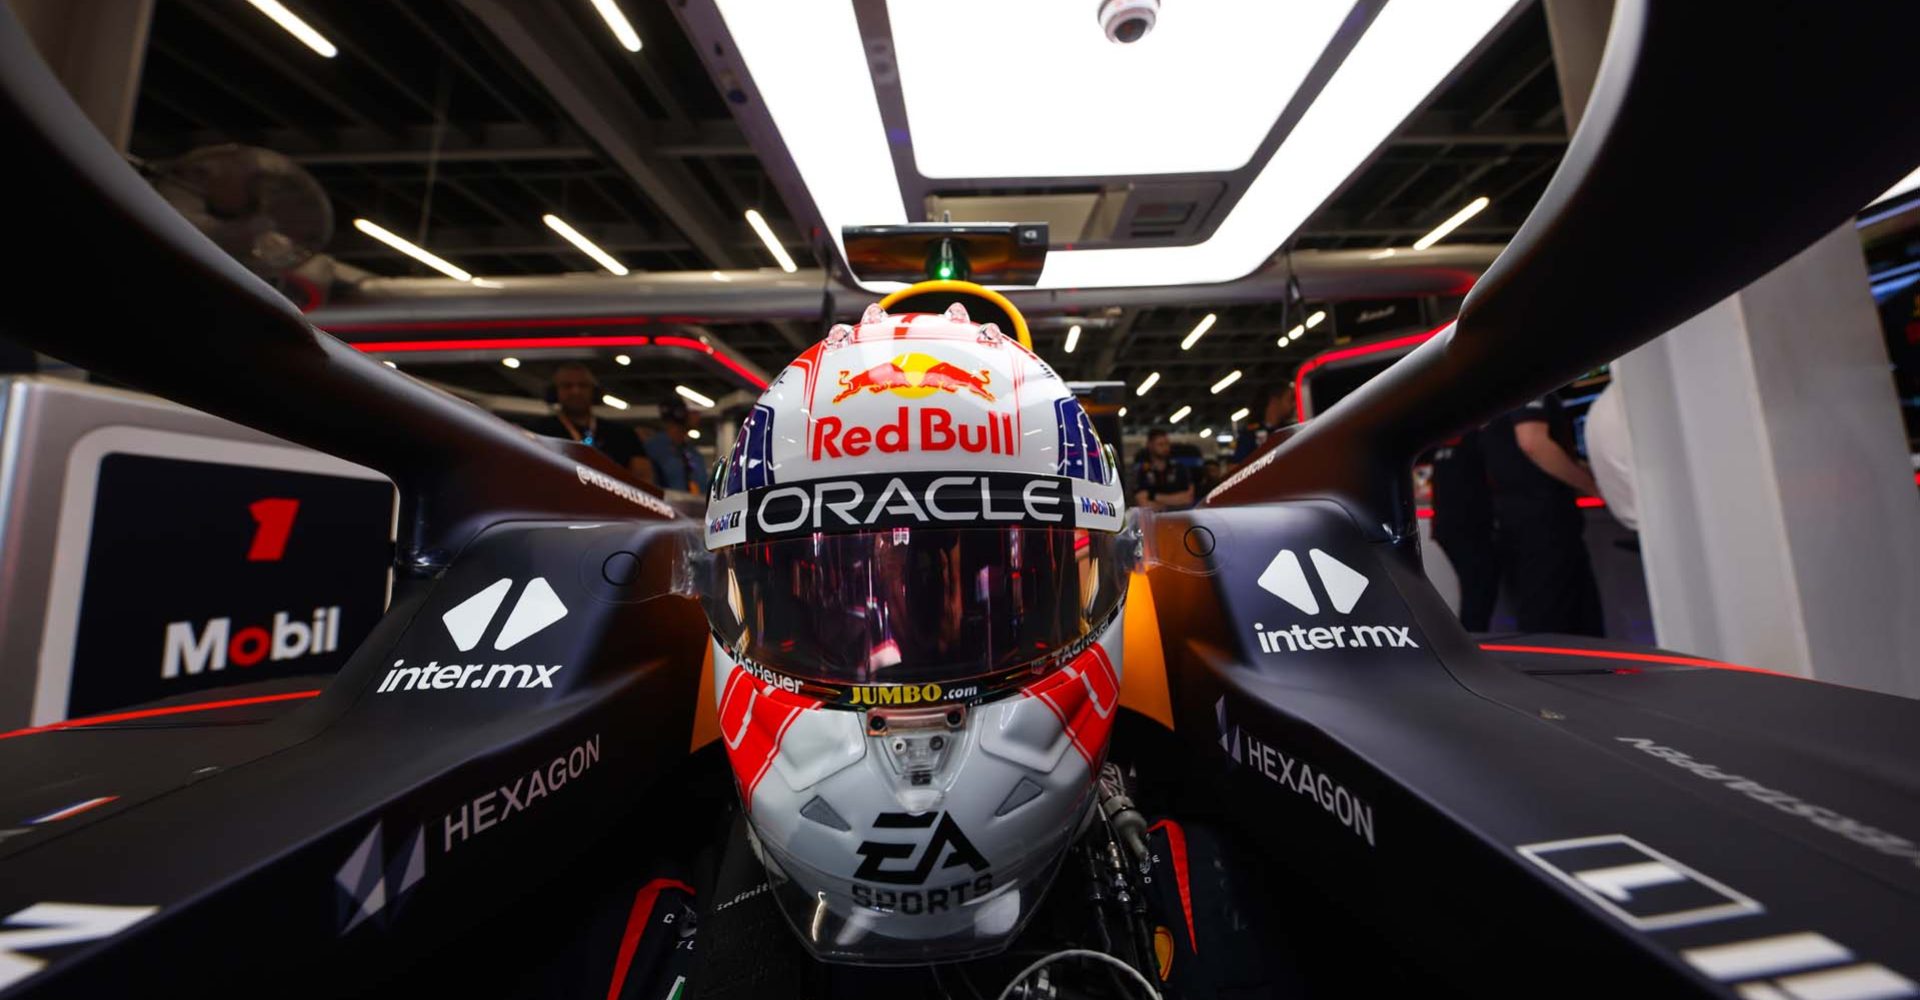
x=273, y=521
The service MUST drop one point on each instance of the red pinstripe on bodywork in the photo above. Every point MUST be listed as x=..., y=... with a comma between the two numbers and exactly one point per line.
x=1177, y=851
x=754, y=718
x=1084, y=695
x=637, y=917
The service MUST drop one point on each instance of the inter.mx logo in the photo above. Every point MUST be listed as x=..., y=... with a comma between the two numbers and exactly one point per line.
x=1286, y=579
x=467, y=623
x=55, y=925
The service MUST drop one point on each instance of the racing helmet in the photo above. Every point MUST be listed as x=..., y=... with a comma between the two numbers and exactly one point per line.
x=915, y=572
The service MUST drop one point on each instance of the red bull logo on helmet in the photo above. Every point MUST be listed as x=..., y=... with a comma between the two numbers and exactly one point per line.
x=936, y=429
x=915, y=376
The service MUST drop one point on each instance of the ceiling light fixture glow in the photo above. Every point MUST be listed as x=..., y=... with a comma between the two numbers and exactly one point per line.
x=584, y=245
x=410, y=250
x=1206, y=432
x=614, y=401
x=1123, y=411
x=1251, y=55
x=295, y=26
x=1231, y=377
x=694, y=433
x=617, y=20
x=693, y=397
x=1292, y=334
x=759, y=224
x=622, y=359
x=1453, y=222
x=1315, y=319
x=1198, y=332
x=1073, y=339
x=1146, y=385
x=1179, y=414
x=510, y=362
x=820, y=97
x=1239, y=414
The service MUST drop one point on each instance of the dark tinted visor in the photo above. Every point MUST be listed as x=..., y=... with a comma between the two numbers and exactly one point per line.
x=913, y=605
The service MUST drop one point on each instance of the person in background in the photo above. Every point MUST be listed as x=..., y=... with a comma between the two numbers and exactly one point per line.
x=1160, y=483
x=1610, y=446
x=1463, y=527
x=1536, y=480
x=1276, y=411
x=677, y=464
x=574, y=392
x=1210, y=476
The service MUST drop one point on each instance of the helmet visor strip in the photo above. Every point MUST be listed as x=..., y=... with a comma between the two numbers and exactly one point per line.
x=957, y=612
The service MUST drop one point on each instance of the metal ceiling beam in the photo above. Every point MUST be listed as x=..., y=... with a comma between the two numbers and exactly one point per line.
x=247, y=42
x=556, y=55
x=481, y=154
x=1470, y=138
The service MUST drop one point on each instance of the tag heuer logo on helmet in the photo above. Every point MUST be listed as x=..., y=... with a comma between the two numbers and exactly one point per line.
x=910, y=500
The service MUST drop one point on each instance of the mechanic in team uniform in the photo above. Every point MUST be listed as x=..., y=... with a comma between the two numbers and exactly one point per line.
x=573, y=393
x=1536, y=480
x=1159, y=482
x=1463, y=526
x=1276, y=412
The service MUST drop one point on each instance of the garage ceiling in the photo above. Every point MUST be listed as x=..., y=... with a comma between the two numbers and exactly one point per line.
x=459, y=123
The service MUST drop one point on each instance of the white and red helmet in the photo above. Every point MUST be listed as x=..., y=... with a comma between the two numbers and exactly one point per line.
x=916, y=583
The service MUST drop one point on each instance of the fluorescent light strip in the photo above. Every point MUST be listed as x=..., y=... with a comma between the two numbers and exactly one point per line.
x=1315, y=319
x=1291, y=335
x=779, y=252
x=584, y=245
x=820, y=97
x=295, y=26
x=1239, y=414
x=1123, y=411
x=1904, y=185
x=1179, y=414
x=623, y=359
x=1198, y=332
x=617, y=20
x=1073, y=338
x=1231, y=377
x=1454, y=222
x=693, y=397
x=694, y=433
x=410, y=250
x=510, y=362
x=1147, y=385
x=614, y=401
x=1206, y=432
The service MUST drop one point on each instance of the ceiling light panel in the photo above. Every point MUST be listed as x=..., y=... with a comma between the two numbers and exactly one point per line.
x=809, y=66
x=1083, y=106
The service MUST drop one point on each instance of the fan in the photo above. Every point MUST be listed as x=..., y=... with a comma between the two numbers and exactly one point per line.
x=258, y=205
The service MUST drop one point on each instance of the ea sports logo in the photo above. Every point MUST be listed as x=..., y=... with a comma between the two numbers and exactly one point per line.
x=914, y=376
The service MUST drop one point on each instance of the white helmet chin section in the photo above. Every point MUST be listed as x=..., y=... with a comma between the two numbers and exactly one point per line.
x=918, y=833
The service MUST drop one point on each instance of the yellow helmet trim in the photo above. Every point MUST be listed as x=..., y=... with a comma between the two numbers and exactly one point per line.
x=927, y=287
